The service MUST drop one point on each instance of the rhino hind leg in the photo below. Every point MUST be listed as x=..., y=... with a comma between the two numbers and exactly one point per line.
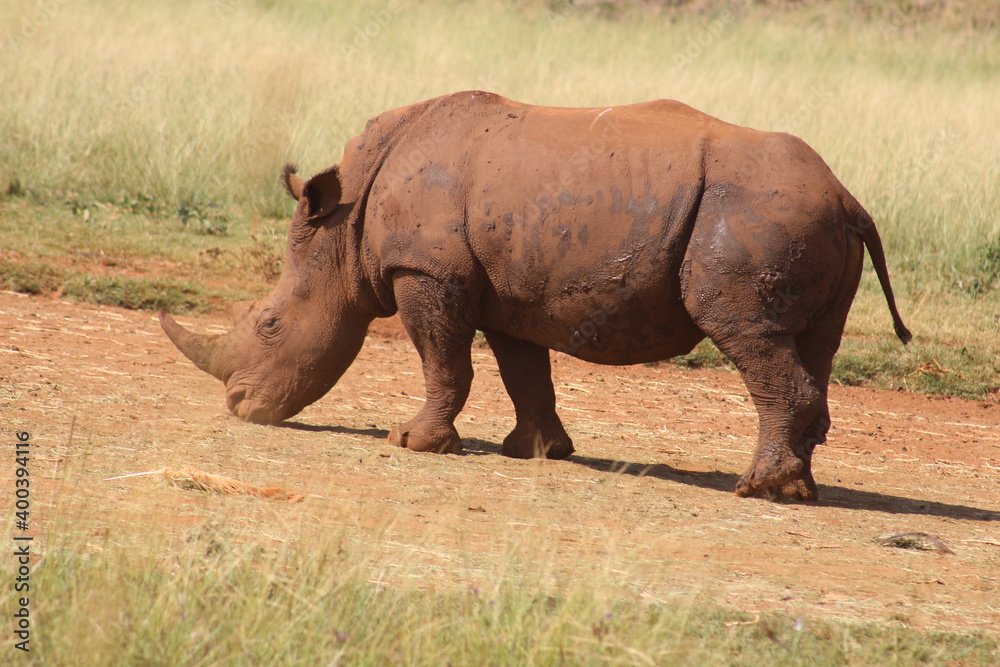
x=816, y=348
x=804, y=486
x=527, y=375
x=440, y=330
x=792, y=411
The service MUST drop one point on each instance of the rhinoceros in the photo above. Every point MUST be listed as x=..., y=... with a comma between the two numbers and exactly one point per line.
x=619, y=235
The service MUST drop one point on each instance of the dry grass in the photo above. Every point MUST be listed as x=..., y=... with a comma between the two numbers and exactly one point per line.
x=131, y=114
x=202, y=102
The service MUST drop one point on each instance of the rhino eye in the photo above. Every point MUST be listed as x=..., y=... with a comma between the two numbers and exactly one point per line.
x=269, y=326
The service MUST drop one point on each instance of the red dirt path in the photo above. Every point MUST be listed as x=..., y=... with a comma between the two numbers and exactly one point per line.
x=645, y=503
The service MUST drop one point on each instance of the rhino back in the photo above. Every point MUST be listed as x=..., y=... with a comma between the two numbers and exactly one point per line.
x=569, y=225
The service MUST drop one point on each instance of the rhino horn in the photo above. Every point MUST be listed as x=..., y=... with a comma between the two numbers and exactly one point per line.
x=203, y=350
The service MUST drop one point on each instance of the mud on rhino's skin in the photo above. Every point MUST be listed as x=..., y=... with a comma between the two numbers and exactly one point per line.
x=619, y=235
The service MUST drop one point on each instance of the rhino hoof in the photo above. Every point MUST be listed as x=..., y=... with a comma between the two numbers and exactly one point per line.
x=803, y=488
x=417, y=440
x=769, y=479
x=523, y=446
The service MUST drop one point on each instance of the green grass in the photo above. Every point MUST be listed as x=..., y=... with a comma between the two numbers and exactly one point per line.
x=220, y=597
x=134, y=253
x=132, y=293
x=959, y=356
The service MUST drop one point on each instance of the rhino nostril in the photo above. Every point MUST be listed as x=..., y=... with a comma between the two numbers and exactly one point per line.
x=234, y=399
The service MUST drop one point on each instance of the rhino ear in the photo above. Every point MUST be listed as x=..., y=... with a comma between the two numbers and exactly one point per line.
x=293, y=184
x=322, y=192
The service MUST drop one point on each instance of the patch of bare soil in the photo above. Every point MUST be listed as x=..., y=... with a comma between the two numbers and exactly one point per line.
x=646, y=503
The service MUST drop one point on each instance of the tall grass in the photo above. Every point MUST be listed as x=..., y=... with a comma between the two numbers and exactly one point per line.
x=224, y=596
x=190, y=101
x=184, y=106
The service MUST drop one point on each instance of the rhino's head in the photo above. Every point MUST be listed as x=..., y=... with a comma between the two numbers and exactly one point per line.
x=288, y=349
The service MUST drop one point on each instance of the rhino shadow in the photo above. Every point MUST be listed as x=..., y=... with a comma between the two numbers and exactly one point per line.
x=830, y=496
x=725, y=482
x=472, y=446
x=380, y=433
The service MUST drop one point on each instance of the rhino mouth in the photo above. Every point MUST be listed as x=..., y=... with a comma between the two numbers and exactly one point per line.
x=253, y=407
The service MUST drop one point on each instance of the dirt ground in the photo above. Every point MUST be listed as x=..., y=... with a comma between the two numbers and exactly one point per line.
x=646, y=502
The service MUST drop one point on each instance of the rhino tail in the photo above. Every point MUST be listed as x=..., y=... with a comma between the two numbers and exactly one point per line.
x=866, y=229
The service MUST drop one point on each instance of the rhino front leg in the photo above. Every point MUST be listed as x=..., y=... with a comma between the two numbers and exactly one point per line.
x=438, y=323
x=527, y=375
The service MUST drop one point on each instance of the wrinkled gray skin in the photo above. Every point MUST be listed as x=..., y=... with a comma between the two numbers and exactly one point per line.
x=619, y=235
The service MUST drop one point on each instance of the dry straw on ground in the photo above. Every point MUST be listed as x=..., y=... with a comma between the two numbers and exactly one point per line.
x=204, y=481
